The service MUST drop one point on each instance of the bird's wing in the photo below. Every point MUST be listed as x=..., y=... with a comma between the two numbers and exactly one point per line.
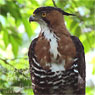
x=31, y=53
x=80, y=55
x=81, y=60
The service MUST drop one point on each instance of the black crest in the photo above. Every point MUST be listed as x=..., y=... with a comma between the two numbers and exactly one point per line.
x=49, y=8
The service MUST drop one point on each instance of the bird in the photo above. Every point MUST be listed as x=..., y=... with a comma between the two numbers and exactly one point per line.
x=56, y=58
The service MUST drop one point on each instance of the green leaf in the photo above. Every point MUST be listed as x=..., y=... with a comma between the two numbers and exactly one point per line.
x=0, y=26
x=14, y=45
x=90, y=90
x=34, y=3
x=3, y=10
x=93, y=68
x=86, y=45
x=13, y=6
x=6, y=37
x=28, y=91
x=48, y=2
x=27, y=27
x=77, y=31
x=73, y=24
x=15, y=34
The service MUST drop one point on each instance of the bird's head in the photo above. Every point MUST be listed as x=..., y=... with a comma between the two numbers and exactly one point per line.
x=48, y=15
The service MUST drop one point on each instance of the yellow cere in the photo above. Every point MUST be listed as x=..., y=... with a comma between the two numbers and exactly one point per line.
x=33, y=14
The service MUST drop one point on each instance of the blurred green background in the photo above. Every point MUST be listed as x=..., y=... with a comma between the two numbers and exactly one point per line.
x=16, y=34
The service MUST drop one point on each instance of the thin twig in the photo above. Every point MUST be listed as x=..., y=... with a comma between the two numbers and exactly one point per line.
x=17, y=70
x=54, y=3
x=25, y=58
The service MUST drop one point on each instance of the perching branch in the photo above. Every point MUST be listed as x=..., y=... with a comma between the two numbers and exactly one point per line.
x=54, y=3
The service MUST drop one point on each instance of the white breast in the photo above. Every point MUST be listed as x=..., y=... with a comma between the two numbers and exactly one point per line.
x=58, y=67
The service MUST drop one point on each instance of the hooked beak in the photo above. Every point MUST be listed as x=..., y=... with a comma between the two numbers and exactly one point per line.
x=32, y=19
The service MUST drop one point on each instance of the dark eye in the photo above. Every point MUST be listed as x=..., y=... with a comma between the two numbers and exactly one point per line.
x=44, y=14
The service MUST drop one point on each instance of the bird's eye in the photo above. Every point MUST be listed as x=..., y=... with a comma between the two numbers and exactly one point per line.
x=43, y=14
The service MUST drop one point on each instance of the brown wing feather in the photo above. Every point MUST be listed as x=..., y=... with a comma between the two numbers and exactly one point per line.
x=81, y=63
x=31, y=53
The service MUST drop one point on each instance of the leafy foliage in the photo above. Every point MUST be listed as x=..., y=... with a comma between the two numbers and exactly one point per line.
x=16, y=34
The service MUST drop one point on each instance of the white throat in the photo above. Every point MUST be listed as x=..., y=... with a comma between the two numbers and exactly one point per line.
x=52, y=38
